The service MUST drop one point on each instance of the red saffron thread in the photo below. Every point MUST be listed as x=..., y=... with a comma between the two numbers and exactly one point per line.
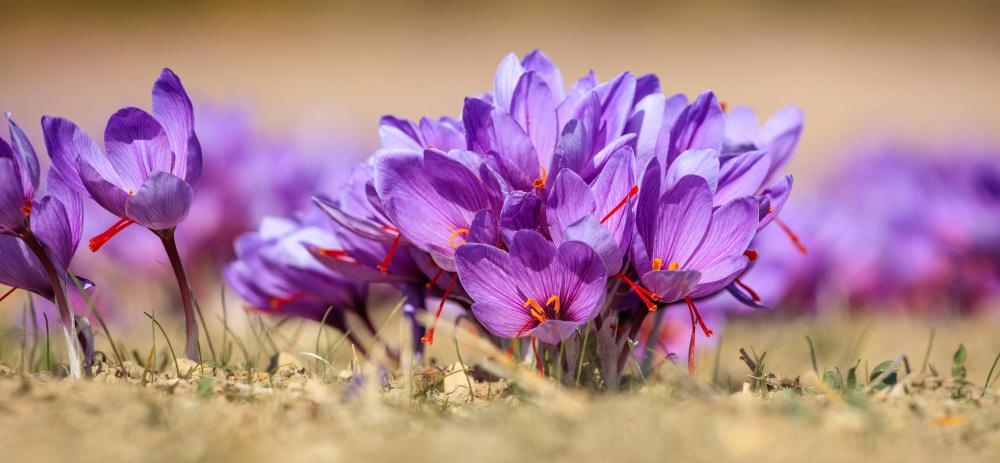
x=429, y=337
x=8, y=293
x=97, y=242
x=791, y=235
x=634, y=191
x=643, y=293
x=753, y=294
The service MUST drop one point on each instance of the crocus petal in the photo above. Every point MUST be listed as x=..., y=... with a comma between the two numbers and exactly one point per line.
x=742, y=175
x=671, y=285
x=27, y=160
x=58, y=188
x=537, y=62
x=782, y=132
x=719, y=275
x=66, y=144
x=444, y=134
x=532, y=250
x=396, y=133
x=701, y=125
x=50, y=223
x=173, y=109
x=507, y=75
x=570, y=200
x=589, y=231
x=162, y=202
x=572, y=151
x=612, y=185
x=649, y=201
x=109, y=195
x=701, y=162
x=742, y=128
x=645, y=122
x=534, y=108
x=489, y=276
x=646, y=85
x=515, y=157
x=11, y=196
x=20, y=269
x=501, y=321
x=745, y=298
x=521, y=211
x=683, y=218
x=484, y=228
x=732, y=228
x=776, y=196
x=555, y=331
x=137, y=145
x=617, y=97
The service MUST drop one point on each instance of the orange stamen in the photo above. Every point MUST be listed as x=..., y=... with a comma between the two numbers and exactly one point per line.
x=643, y=293
x=751, y=254
x=634, y=191
x=100, y=240
x=429, y=336
x=539, y=182
x=674, y=266
x=460, y=231
x=384, y=266
x=753, y=294
x=434, y=279
x=791, y=235
x=695, y=316
x=8, y=293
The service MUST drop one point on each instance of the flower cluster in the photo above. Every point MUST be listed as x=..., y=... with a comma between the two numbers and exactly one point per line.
x=898, y=228
x=545, y=211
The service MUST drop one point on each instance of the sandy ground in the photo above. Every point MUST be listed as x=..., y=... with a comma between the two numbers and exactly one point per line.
x=298, y=414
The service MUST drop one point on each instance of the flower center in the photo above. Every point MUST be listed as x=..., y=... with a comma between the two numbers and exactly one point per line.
x=658, y=265
x=100, y=240
x=634, y=191
x=542, y=313
x=462, y=233
x=539, y=182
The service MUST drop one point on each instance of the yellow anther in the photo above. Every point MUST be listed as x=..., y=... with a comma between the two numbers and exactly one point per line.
x=674, y=266
x=461, y=231
x=657, y=263
x=553, y=300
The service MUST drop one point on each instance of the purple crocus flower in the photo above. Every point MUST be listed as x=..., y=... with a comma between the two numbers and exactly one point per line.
x=537, y=289
x=148, y=175
x=38, y=237
x=277, y=275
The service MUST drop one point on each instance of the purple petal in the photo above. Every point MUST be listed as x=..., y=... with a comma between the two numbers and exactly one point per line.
x=50, y=223
x=732, y=228
x=589, y=231
x=396, y=133
x=27, y=160
x=109, y=195
x=521, y=211
x=137, y=145
x=534, y=108
x=776, y=196
x=507, y=75
x=161, y=203
x=701, y=125
x=20, y=269
x=173, y=109
x=572, y=151
x=612, y=185
x=742, y=175
x=671, y=285
x=58, y=188
x=719, y=275
x=484, y=228
x=555, y=331
x=570, y=200
x=683, y=218
x=617, y=97
x=11, y=196
x=532, y=250
x=66, y=144
x=745, y=298
x=442, y=134
x=646, y=120
x=782, y=132
x=515, y=158
x=701, y=162
x=646, y=85
x=537, y=62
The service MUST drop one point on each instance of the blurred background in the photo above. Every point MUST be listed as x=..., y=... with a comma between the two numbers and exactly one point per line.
x=311, y=79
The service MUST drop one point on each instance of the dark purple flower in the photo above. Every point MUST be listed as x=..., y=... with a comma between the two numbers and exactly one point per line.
x=537, y=289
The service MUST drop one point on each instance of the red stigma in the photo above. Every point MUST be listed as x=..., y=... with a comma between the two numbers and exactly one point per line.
x=27, y=207
x=792, y=236
x=621, y=204
x=277, y=302
x=753, y=294
x=646, y=295
x=695, y=317
x=384, y=266
x=97, y=242
x=510, y=351
x=725, y=106
x=538, y=358
x=429, y=336
x=434, y=279
x=8, y=293
x=751, y=254
x=338, y=254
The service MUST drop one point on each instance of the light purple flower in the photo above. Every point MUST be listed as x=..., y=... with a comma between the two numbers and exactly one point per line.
x=537, y=289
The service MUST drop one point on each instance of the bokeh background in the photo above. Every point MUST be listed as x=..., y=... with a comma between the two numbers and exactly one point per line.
x=922, y=72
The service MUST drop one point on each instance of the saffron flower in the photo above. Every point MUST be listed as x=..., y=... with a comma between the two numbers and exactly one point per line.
x=148, y=175
x=38, y=236
x=536, y=289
